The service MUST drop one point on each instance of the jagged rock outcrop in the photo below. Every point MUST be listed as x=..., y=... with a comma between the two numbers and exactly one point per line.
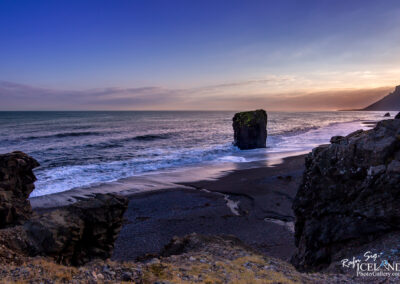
x=350, y=195
x=80, y=232
x=250, y=129
x=397, y=116
x=387, y=114
x=16, y=183
x=336, y=139
x=74, y=234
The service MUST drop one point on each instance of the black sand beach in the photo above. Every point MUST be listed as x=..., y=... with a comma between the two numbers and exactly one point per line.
x=253, y=204
x=262, y=219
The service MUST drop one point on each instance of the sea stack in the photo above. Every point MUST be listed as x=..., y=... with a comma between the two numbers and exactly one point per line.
x=250, y=129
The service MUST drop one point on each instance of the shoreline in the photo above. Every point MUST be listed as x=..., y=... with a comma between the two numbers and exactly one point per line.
x=158, y=181
x=247, y=202
x=251, y=201
x=251, y=204
x=89, y=176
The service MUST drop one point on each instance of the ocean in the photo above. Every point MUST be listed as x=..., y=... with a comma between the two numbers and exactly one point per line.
x=79, y=149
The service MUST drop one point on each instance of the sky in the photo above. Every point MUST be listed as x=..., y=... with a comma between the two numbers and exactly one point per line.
x=197, y=54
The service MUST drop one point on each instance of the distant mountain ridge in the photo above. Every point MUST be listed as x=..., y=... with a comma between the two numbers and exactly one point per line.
x=390, y=102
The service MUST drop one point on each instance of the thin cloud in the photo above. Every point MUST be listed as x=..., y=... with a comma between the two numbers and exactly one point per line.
x=224, y=96
x=268, y=80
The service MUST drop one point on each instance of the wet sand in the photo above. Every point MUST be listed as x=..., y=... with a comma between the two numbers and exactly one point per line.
x=250, y=201
x=252, y=204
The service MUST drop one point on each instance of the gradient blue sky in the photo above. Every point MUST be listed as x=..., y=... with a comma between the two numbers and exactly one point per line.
x=322, y=54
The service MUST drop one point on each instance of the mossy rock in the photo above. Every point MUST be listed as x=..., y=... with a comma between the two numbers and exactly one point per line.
x=249, y=118
x=250, y=129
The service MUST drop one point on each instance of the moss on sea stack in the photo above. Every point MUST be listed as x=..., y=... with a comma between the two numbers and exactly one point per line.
x=250, y=129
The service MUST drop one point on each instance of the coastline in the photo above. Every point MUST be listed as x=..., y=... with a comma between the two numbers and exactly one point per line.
x=72, y=160
x=158, y=181
x=262, y=217
x=251, y=201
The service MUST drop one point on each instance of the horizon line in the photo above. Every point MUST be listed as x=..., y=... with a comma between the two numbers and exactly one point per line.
x=185, y=110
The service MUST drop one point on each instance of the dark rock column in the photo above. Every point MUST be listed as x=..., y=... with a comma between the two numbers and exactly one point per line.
x=250, y=129
x=16, y=183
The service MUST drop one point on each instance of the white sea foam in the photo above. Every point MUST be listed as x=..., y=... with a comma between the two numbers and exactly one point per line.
x=313, y=137
x=104, y=147
x=68, y=177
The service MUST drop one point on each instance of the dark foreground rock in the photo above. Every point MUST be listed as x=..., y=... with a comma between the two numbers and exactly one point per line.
x=350, y=195
x=16, y=183
x=397, y=116
x=205, y=259
x=78, y=233
x=250, y=129
x=73, y=235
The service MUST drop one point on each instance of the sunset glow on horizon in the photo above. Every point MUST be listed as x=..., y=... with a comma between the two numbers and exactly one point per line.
x=197, y=55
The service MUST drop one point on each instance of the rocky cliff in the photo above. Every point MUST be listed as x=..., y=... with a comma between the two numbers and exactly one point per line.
x=44, y=247
x=16, y=183
x=73, y=234
x=250, y=129
x=349, y=196
x=390, y=102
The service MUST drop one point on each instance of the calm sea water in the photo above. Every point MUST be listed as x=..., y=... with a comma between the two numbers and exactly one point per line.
x=77, y=149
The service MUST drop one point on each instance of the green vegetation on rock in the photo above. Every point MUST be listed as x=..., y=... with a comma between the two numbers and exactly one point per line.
x=249, y=118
